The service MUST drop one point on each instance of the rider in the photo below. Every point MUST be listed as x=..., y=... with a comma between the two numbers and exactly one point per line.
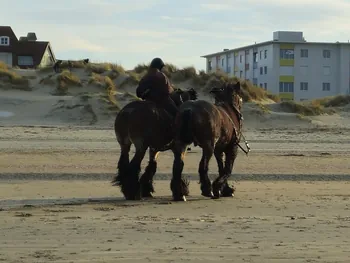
x=156, y=87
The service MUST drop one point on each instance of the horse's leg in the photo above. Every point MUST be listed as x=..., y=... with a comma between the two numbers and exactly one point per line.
x=207, y=153
x=146, y=180
x=219, y=156
x=231, y=155
x=178, y=185
x=132, y=185
x=123, y=167
x=221, y=184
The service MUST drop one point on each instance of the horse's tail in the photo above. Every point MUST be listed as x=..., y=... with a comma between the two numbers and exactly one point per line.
x=186, y=133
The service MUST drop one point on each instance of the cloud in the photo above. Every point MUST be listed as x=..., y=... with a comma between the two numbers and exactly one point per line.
x=83, y=44
x=134, y=31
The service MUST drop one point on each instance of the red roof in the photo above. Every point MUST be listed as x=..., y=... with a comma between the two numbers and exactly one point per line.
x=6, y=31
x=36, y=49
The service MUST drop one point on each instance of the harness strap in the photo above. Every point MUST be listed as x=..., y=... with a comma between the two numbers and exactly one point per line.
x=240, y=134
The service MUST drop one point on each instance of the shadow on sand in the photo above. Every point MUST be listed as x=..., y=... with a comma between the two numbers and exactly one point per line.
x=116, y=201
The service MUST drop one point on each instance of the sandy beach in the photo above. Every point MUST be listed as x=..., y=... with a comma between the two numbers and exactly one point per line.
x=58, y=155
x=57, y=203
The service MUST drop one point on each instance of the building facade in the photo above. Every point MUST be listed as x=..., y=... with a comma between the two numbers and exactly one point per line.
x=25, y=52
x=289, y=66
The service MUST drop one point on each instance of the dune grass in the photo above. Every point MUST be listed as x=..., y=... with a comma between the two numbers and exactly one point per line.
x=12, y=77
x=312, y=108
x=333, y=101
x=110, y=90
x=66, y=79
x=326, y=105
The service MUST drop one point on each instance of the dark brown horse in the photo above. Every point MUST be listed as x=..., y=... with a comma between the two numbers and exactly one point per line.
x=216, y=128
x=145, y=126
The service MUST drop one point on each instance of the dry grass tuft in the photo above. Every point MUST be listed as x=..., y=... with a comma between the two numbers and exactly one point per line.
x=333, y=101
x=66, y=79
x=97, y=79
x=12, y=77
x=101, y=68
x=306, y=109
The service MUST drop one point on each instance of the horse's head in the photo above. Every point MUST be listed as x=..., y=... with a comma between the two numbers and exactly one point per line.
x=234, y=91
x=228, y=93
x=179, y=96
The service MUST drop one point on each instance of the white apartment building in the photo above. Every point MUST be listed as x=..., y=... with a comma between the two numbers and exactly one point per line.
x=289, y=66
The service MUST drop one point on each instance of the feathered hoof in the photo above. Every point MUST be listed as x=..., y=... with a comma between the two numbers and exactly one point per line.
x=208, y=194
x=216, y=194
x=179, y=198
x=228, y=191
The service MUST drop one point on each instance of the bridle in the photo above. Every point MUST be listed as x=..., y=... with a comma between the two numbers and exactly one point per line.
x=240, y=119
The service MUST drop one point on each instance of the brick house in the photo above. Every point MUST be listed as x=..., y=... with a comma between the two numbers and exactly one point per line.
x=25, y=52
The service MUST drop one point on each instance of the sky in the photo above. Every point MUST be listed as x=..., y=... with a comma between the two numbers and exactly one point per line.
x=130, y=32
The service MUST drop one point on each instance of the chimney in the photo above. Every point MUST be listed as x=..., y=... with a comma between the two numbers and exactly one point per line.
x=31, y=36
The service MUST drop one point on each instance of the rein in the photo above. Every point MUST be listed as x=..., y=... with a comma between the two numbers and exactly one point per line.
x=246, y=151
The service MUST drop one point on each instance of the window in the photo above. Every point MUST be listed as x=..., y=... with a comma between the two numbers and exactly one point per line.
x=247, y=66
x=4, y=41
x=255, y=81
x=326, y=86
x=286, y=53
x=25, y=61
x=287, y=87
x=304, y=86
x=222, y=62
x=326, y=70
x=265, y=70
x=261, y=70
x=326, y=53
x=255, y=56
x=260, y=55
x=304, y=53
x=265, y=86
x=265, y=54
x=261, y=85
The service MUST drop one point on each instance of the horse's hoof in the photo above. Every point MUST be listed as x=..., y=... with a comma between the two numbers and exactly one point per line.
x=216, y=195
x=208, y=194
x=179, y=198
x=228, y=192
x=147, y=195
